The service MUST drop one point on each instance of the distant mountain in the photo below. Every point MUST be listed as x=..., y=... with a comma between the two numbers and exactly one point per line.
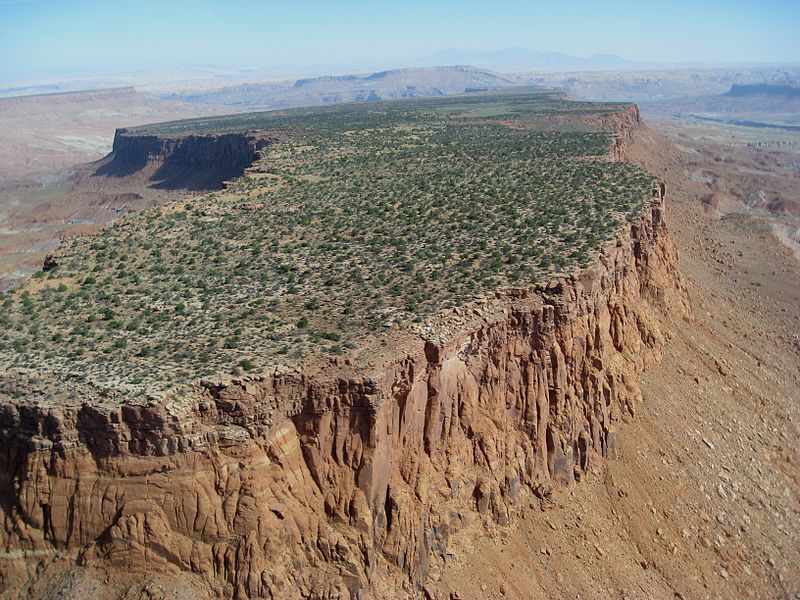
x=521, y=59
x=653, y=86
x=762, y=89
x=397, y=83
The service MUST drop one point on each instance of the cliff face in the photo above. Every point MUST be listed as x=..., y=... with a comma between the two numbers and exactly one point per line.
x=345, y=481
x=191, y=162
x=624, y=122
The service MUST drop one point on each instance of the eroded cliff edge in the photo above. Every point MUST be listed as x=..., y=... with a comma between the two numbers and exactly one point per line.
x=342, y=480
x=193, y=162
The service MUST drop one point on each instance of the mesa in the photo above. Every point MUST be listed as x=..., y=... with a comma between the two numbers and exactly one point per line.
x=353, y=223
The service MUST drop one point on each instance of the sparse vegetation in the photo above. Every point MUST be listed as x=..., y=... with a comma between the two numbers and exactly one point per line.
x=359, y=218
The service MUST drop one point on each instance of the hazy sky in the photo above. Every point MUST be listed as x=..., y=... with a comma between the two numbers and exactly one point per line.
x=42, y=37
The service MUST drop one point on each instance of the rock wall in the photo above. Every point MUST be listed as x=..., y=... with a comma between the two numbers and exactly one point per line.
x=625, y=121
x=191, y=162
x=344, y=481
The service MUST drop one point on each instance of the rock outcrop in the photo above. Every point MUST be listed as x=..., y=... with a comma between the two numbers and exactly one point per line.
x=194, y=162
x=345, y=479
x=626, y=121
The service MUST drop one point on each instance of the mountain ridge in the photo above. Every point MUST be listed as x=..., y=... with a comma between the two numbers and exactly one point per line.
x=413, y=82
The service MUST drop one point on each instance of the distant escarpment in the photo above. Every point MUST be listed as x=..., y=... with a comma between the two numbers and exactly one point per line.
x=763, y=89
x=383, y=85
x=55, y=98
x=194, y=162
x=345, y=480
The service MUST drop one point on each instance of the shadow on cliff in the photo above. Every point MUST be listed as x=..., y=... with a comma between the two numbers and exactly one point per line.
x=194, y=163
x=173, y=175
x=110, y=166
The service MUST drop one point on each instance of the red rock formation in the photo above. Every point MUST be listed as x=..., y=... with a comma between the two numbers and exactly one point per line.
x=624, y=122
x=345, y=481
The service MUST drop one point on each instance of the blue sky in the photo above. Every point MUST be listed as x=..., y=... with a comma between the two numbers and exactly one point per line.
x=47, y=37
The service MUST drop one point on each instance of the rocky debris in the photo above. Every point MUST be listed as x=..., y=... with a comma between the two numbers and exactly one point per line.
x=50, y=263
x=248, y=206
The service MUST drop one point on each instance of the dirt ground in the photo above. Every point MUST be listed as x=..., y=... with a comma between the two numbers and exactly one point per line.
x=704, y=499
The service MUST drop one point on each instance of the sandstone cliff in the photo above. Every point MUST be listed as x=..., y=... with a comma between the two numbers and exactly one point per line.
x=345, y=480
x=193, y=162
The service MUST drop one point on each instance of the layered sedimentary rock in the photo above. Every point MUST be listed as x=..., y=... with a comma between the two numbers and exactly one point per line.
x=625, y=122
x=192, y=162
x=347, y=478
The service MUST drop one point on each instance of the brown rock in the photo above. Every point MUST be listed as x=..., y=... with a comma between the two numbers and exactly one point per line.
x=721, y=368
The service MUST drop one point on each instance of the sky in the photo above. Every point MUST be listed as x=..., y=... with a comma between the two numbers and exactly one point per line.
x=40, y=38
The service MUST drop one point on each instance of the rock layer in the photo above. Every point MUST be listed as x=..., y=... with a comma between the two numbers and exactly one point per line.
x=345, y=480
x=191, y=162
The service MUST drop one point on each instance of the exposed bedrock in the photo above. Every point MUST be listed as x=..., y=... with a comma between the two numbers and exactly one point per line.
x=192, y=162
x=625, y=122
x=346, y=482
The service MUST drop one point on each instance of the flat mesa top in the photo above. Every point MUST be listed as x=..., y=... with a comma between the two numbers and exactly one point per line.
x=357, y=220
